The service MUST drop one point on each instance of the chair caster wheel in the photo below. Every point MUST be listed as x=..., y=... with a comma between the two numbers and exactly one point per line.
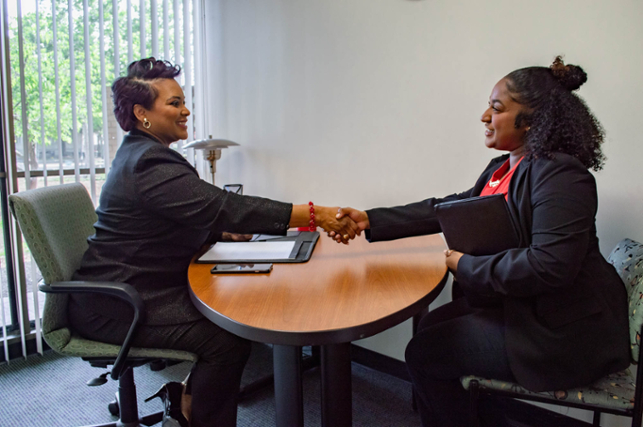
x=113, y=408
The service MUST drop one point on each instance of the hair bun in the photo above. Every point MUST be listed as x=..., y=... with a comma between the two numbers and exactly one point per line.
x=571, y=77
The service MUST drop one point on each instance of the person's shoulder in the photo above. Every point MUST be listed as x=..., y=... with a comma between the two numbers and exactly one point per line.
x=148, y=148
x=134, y=145
x=146, y=153
x=558, y=162
x=560, y=167
x=153, y=148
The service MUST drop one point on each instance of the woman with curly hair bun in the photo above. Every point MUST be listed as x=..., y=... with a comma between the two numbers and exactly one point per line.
x=550, y=314
x=558, y=120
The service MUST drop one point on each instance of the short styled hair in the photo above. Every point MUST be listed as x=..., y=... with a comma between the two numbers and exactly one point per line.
x=136, y=88
x=558, y=119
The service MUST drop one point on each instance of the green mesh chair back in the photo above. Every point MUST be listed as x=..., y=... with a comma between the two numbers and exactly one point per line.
x=55, y=222
x=618, y=393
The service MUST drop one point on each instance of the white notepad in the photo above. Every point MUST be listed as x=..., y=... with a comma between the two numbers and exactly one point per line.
x=256, y=251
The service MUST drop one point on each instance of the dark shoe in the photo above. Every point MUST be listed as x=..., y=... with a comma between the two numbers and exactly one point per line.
x=170, y=394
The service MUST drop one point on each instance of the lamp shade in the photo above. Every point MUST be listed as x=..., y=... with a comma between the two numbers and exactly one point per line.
x=210, y=144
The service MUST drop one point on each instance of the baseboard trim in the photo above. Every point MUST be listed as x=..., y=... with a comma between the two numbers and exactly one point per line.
x=15, y=349
x=380, y=362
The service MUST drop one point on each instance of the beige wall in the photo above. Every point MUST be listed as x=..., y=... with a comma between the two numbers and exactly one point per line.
x=377, y=102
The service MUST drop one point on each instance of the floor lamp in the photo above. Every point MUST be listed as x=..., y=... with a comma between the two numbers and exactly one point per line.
x=213, y=147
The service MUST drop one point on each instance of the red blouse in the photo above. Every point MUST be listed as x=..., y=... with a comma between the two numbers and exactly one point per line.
x=499, y=184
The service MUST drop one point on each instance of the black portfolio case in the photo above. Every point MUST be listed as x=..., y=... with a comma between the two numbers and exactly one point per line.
x=477, y=225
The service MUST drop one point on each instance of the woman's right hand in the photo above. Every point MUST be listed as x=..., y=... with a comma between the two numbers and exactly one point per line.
x=359, y=217
x=343, y=227
x=325, y=217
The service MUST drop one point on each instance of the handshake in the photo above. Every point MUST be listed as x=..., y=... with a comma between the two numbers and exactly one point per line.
x=341, y=224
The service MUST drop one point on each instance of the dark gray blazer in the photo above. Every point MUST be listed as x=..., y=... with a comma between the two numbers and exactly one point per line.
x=565, y=306
x=154, y=215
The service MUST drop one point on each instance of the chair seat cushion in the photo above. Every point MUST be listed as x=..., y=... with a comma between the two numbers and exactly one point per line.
x=615, y=391
x=81, y=347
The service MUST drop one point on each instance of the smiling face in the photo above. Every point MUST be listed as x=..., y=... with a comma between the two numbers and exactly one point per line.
x=168, y=116
x=500, y=119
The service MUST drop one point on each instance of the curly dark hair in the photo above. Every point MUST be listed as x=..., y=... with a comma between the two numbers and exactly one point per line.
x=136, y=88
x=559, y=120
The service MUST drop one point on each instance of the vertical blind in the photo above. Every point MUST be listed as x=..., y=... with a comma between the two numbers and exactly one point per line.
x=58, y=62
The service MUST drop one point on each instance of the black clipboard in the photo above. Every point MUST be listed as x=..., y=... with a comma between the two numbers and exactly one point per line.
x=478, y=225
x=301, y=252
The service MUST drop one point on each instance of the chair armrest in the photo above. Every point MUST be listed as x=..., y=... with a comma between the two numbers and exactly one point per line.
x=119, y=290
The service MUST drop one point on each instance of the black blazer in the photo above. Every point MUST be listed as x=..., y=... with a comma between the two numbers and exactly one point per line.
x=153, y=216
x=565, y=307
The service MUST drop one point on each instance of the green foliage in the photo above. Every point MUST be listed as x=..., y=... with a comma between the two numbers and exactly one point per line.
x=30, y=70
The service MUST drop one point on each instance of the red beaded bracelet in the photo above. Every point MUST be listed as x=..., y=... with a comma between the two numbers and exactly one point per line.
x=312, y=227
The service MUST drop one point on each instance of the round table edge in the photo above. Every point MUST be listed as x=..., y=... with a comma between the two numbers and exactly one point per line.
x=331, y=336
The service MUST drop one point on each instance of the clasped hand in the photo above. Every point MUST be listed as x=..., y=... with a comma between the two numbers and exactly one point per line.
x=342, y=228
x=358, y=218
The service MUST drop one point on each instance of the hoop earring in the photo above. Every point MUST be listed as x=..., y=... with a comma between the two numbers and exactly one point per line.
x=146, y=123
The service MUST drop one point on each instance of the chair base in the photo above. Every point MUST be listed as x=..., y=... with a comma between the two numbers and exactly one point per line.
x=128, y=406
x=148, y=420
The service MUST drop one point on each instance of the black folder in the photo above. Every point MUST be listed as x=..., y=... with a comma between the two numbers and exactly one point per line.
x=302, y=250
x=478, y=225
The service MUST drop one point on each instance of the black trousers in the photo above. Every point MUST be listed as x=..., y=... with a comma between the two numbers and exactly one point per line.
x=215, y=379
x=452, y=341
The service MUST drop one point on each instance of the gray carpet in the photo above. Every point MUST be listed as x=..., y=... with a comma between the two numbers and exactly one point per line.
x=50, y=390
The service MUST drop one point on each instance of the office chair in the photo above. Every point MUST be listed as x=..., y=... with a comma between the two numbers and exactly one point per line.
x=619, y=393
x=55, y=222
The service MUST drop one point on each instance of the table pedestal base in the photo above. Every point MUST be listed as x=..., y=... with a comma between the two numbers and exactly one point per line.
x=336, y=402
x=289, y=402
x=336, y=384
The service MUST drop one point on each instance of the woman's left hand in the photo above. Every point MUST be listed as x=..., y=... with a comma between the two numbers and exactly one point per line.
x=452, y=259
x=233, y=237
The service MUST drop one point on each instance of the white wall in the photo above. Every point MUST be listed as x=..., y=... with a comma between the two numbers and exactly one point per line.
x=377, y=102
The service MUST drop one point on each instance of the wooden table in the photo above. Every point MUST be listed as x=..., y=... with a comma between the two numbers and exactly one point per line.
x=344, y=293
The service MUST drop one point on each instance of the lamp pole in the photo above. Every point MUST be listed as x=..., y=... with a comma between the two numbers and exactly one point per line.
x=213, y=156
x=213, y=147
